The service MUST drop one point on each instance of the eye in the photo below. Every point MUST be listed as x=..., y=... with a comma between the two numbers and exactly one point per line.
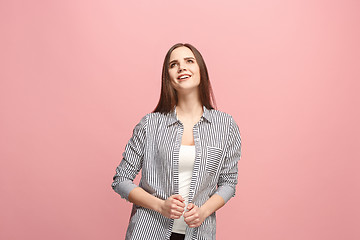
x=172, y=65
x=190, y=60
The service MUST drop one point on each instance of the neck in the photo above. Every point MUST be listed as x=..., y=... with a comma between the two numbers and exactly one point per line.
x=189, y=105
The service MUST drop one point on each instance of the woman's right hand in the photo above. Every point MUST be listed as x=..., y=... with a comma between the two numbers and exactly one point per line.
x=173, y=207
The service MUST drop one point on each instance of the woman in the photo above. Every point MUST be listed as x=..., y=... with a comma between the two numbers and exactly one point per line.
x=188, y=153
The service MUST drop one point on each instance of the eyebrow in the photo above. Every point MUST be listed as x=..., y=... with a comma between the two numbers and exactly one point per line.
x=186, y=58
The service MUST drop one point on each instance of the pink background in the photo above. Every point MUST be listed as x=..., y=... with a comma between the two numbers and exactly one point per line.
x=76, y=77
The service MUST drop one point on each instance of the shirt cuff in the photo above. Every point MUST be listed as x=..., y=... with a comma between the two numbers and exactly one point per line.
x=226, y=192
x=124, y=188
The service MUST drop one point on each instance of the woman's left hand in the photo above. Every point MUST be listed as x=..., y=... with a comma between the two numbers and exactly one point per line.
x=194, y=216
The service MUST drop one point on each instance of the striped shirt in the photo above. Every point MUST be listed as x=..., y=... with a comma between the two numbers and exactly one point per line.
x=154, y=148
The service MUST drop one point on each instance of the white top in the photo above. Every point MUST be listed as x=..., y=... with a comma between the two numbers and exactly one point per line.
x=186, y=164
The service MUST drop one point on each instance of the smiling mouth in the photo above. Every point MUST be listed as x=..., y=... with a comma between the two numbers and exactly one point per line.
x=183, y=77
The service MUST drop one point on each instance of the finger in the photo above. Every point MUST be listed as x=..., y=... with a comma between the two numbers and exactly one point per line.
x=189, y=219
x=191, y=212
x=177, y=208
x=175, y=214
x=194, y=225
x=177, y=211
x=190, y=206
x=179, y=197
x=179, y=203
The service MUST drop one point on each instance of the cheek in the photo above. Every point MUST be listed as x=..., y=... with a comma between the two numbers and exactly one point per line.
x=198, y=76
x=172, y=74
x=198, y=79
x=197, y=71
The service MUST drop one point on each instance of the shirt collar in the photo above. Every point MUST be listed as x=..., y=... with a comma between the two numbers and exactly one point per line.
x=173, y=118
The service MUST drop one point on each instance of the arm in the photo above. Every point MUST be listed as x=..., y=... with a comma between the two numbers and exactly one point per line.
x=131, y=162
x=229, y=173
x=129, y=168
x=195, y=216
x=172, y=207
x=226, y=184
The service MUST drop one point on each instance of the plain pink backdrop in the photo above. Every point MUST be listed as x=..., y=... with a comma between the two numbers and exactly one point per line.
x=77, y=76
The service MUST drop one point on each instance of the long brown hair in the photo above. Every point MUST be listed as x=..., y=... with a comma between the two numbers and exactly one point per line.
x=168, y=96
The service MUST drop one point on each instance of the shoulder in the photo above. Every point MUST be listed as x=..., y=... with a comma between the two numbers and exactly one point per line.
x=142, y=123
x=156, y=116
x=217, y=112
x=225, y=120
x=152, y=118
x=152, y=115
x=221, y=116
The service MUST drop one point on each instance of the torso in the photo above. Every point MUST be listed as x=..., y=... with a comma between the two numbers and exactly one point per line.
x=163, y=138
x=188, y=123
x=188, y=137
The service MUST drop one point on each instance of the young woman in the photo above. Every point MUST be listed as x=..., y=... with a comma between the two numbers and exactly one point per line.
x=188, y=153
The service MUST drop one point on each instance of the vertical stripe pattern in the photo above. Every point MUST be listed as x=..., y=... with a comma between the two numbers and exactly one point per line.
x=154, y=148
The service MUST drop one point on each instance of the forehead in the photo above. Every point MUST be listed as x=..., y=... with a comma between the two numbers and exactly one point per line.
x=181, y=52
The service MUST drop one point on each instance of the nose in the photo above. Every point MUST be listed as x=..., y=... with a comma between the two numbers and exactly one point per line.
x=181, y=67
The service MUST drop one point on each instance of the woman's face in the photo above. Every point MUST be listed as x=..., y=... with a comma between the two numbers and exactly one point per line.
x=183, y=69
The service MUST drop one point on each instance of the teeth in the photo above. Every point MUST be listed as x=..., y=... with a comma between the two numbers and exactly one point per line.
x=182, y=77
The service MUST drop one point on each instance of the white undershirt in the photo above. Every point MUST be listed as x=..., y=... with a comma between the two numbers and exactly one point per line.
x=186, y=164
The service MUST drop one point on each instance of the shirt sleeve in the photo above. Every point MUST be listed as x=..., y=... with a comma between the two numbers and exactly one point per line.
x=131, y=162
x=229, y=172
